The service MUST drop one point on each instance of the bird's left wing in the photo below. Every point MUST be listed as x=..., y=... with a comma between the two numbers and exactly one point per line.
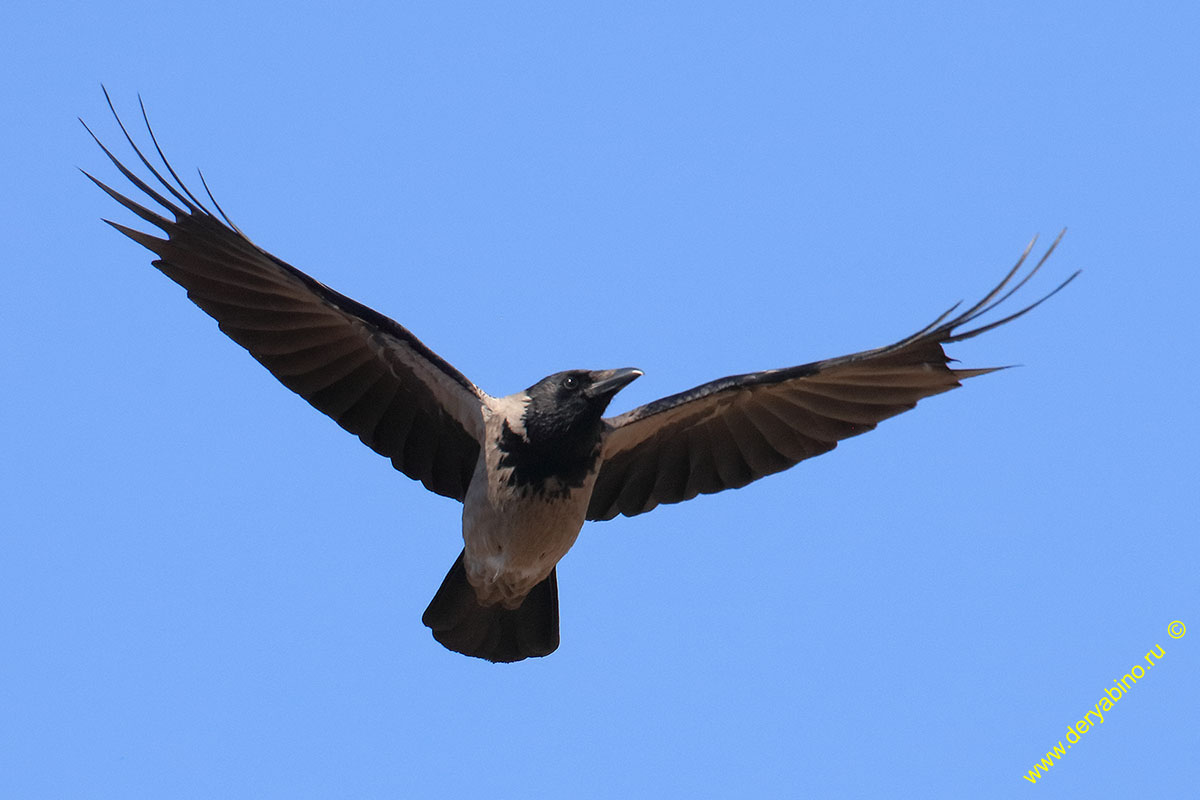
x=366, y=371
x=729, y=432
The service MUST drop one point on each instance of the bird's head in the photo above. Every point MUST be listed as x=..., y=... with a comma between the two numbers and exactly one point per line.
x=569, y=405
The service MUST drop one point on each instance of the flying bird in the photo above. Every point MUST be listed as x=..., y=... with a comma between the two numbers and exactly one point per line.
x=531, y=467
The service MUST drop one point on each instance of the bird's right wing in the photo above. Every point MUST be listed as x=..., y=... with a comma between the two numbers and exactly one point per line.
x=364, y=370
x=729, y=432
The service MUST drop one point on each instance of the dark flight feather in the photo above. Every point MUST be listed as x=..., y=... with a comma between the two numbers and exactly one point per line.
x=731, y=431
x=493, y=632
x=366, y=371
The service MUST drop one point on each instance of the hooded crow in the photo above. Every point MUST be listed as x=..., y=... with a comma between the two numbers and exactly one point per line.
x=529, y=468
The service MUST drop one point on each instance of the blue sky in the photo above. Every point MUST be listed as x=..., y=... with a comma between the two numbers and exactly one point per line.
x=208, y=589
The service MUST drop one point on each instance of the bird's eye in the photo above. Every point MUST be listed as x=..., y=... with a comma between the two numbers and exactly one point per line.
x=570, y=382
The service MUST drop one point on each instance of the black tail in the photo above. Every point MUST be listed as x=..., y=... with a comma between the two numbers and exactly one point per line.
x=493, y=632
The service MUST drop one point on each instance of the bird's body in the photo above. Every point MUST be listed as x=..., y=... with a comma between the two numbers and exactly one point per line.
x=515, y=529
x=527, y=501
x=530, y=468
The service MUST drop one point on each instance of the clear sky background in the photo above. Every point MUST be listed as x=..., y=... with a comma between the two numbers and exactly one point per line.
x=208, y=589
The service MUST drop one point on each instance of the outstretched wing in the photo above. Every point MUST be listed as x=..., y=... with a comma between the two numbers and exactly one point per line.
x=364, y=370
x=729, y=432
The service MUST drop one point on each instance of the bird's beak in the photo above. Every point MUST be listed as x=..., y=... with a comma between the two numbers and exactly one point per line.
x=610, y=381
